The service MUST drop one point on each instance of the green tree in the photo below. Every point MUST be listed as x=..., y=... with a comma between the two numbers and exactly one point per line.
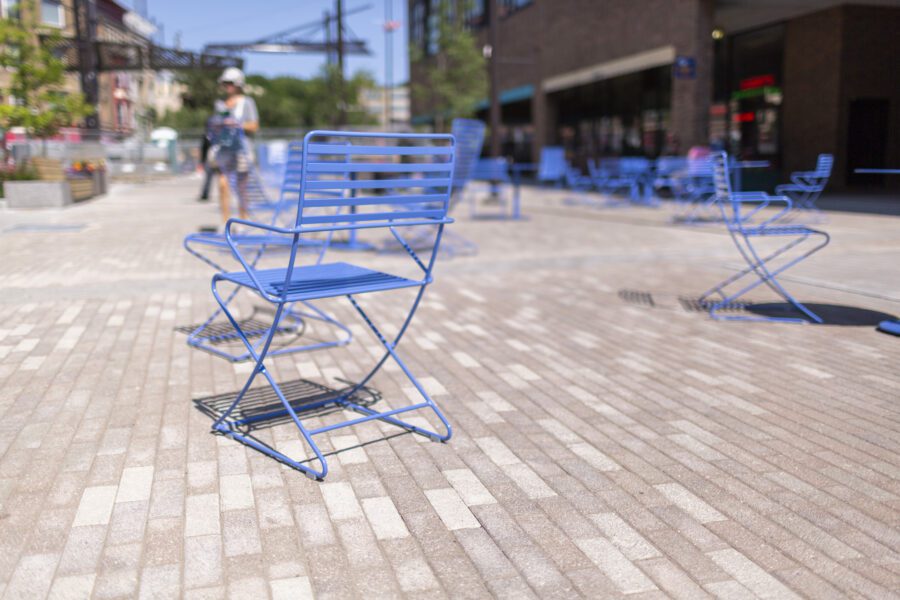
x=282, y=101
x=455, y=78
x=38, y=80
x=330, y=94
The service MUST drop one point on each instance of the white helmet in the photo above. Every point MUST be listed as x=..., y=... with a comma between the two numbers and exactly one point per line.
x=233, y=75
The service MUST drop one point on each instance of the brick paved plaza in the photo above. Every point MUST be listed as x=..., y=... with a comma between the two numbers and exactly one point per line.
x=609, y=439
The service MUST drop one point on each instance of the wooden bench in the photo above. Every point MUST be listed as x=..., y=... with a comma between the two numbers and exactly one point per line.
x=51, y=169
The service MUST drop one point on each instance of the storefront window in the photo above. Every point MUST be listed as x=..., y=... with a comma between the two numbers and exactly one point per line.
x=622, y=116
x=755, y=94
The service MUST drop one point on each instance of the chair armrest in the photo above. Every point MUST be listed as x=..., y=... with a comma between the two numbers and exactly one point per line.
x=249, y=267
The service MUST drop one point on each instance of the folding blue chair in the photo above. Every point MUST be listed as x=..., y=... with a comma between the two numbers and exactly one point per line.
x=806, y=186
x=579, y=184
x=503, y=189
x=667, y=173
x=417, y=197
x=695, y=193
x=553, y=166
x=631, y=174
x=746, y=236
x=469, y=135
x=271, y=159
x=212, y=336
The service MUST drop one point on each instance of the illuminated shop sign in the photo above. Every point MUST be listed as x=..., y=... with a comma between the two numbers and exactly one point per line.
x=759, y=81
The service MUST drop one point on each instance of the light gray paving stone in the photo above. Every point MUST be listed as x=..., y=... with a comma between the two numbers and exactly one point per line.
x=451, y=509
x=598, y=444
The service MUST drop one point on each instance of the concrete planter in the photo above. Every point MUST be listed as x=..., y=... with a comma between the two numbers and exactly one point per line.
x=99, y=181
x=37, y=194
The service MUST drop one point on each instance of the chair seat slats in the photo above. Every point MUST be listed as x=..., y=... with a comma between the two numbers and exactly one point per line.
x=322, y=281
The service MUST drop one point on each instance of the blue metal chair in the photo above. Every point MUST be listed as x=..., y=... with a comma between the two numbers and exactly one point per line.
x=579, y=184
x=746, y=234
x=695, y=193
x=553, y=166
x=213, y=337
x=469, y=135
x=500, y=184
x=667, y=173
x=631, y=174
x=418, y=196
x=806, y=186
x=271, y=159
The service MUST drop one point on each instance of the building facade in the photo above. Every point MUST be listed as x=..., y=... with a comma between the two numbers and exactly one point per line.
x=127, y=98
x=389, y=105
x=779, y=81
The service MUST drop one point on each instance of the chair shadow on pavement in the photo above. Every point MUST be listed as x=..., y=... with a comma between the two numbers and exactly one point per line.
x=832, y=314
x=301, y=394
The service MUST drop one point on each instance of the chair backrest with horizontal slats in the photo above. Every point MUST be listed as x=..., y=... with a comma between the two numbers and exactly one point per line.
x=377, y=179
x=824, y=165
x=469, y=134
x=730, y=207
x=553, y=165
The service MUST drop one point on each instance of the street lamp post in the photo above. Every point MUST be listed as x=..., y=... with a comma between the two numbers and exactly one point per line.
x=491, y=52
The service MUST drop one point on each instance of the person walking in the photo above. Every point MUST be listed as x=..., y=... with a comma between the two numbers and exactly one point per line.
x=214, y=126
x=242, y=116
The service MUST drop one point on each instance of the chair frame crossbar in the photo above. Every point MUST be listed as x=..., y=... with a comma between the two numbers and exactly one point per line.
x=760, y=269
x=498, y=180
x=441, y=151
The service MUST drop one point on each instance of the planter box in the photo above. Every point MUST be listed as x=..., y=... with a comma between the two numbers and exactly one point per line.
x=99, y=182
x=37, y=194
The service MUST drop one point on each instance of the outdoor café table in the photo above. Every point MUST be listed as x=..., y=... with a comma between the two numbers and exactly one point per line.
x=885, y=326
x=517, y=170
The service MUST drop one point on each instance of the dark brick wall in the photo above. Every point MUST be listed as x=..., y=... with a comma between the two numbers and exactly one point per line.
x=812, y=74
x=831, y=58
x=552, y=37
x=870, y=68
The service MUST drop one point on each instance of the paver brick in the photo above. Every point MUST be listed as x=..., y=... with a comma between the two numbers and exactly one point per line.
x=601, y=447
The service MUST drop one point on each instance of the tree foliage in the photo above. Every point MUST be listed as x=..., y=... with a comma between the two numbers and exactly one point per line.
x=455, y=78
x=37, y=82
x=282, y=101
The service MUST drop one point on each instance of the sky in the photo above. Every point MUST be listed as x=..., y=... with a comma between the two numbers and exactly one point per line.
x=202, y=21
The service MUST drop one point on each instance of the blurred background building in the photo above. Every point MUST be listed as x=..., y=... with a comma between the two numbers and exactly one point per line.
x=390, y=105
x=765, y=79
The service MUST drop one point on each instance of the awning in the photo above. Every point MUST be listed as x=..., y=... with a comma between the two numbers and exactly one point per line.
x=516, y=94
x=633, y=63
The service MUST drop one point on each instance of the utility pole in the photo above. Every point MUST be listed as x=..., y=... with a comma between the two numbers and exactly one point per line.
x=493, y=18
x=339, y=13
x=86, y=32
x=389, y=27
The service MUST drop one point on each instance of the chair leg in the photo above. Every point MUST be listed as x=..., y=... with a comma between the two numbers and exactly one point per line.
x=390, y=348
x=765, y=275
x=226, y=427
x=230, y=427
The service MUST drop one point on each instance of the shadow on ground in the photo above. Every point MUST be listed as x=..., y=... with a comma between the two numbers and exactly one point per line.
x=307, y=398
x=831, y=314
